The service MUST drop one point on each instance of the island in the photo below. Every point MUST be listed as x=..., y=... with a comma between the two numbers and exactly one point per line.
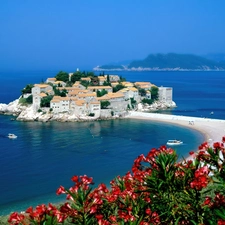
x=167, y=62
x=84, y=96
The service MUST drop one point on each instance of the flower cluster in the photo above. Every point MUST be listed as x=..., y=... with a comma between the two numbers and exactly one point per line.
x=158, y=190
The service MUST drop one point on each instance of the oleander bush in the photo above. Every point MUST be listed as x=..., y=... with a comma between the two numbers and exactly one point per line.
x=159, y=189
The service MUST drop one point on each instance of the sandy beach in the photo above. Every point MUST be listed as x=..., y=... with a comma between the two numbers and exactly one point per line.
x=212, y=129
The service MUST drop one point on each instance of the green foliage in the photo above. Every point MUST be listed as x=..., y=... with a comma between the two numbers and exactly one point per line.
x=26, y=101
x=122, y=79
x=142, y=92
x=118, y=87
x=112, y=113
x=108, y=79
x=27, y=89
x=154, y=92
x=62, y=93
x=101, y=93
x=62, y=76
x=23, y=101
x=105, y=83
x=133, y=102
x=76, y=76
x=91, y=114
x=45, y=101
x=29, y=99
x=85, y=83
x=147, y=101
x=104, y=104
x=90, y=74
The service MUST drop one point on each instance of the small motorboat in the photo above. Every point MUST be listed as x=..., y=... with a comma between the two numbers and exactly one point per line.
x=174, y=142
x=12, y=136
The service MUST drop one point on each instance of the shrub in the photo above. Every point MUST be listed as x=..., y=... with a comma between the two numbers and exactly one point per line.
x=159, y=189
x=104, y=104
x=22, y=101
x=147, y=101
x=26, y=101
x=91, y=114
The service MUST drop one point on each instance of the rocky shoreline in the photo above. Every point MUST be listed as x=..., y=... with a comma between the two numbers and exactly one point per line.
x=26, y=113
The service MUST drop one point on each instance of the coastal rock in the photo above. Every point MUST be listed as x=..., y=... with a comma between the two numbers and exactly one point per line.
x=158, y=105
x=27, y=113
x=13, y=108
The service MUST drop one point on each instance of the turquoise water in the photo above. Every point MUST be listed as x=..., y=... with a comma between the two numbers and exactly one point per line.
x=47, y=155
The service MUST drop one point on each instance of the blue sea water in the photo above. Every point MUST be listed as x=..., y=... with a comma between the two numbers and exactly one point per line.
x=47, y=155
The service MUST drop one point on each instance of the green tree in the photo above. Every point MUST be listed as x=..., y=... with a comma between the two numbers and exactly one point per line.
x=63, y=76
x=105, y=83
x=76, y=76
x=104, y=104
x=90, y=74
x=85, y=83
x=101, y=93
x=147, y=101
x=27, y=89
x=154, y=92
x=108, y=79
x=57, y=92
x=133, y=102
x=29, y=99
x=142, y=92
x=118, y=87
x=45, y=101
x=63, y=93
x=122, y=79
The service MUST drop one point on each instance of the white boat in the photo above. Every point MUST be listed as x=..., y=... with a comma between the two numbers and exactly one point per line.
x=174, y=142
x=12, y=136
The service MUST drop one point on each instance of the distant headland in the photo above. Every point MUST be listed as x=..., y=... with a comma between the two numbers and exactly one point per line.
x=167, y=62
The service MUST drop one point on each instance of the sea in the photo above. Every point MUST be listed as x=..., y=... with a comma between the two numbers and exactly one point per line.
x=47, y=155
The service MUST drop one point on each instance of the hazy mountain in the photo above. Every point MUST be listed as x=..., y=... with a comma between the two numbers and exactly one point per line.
x=170, y=61
x=219, y=57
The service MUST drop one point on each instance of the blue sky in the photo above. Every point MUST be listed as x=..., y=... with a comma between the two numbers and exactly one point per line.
x=70, y=34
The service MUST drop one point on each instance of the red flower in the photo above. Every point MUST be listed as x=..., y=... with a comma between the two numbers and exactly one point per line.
x=223, y=139
x=86, y=180
x=221, y=222
x=16, y=218
x=29, y=210
x=207, y=201
x=60, y=190
x=112, y=218
x=148, y=211
x=218, y=145
x=93, y=209
x=191, y=153
x=203, y=146
x=75, y=179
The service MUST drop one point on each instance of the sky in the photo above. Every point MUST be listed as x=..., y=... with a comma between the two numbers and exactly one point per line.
x=70, y=34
